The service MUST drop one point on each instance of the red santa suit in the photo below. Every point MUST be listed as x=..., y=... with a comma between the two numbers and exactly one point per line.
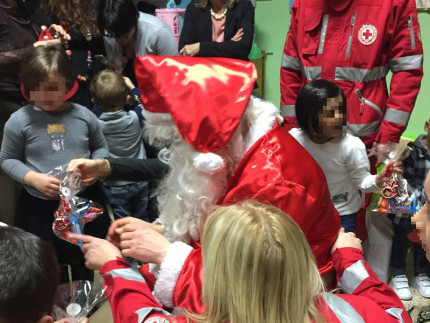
x=355, y=44
x=275, y=169
x=368, y=299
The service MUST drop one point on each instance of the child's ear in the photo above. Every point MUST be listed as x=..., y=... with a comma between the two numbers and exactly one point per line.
x=46, y=319
x=93, y=101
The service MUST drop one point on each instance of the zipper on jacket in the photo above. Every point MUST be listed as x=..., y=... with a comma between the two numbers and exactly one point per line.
x=367, y=102
x=351, y=34
x=411, y=32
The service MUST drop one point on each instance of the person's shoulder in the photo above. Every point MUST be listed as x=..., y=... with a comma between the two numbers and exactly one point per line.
x=244, y=3
x=22, y=112
x=76, y=108
x=150, y=21
x=352, y=141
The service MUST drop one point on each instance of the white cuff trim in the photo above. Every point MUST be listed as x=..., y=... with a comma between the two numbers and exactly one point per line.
x=169, y=272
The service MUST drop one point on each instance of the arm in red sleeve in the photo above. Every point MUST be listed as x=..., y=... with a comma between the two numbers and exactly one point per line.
x=129, y=296
x=357, y=278
x=291, y=73
x=406, y=63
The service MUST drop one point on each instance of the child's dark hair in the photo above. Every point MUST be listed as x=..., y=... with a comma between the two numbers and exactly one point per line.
x=108, y=90
x=311, y=100
x=29, y=276
x=117, y=17
x=42, y=61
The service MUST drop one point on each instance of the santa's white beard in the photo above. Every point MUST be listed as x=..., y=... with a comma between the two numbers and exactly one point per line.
x=188, y=195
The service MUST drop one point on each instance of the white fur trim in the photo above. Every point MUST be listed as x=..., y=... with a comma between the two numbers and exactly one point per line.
x=208, y=162
x=265, y=115
x=169, y=272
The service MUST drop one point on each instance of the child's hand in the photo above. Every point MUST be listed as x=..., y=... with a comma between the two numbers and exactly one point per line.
x=44, y=183
x=129, y=83
x=384, y=175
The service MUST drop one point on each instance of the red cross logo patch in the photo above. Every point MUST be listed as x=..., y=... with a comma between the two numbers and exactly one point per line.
x=367, y=34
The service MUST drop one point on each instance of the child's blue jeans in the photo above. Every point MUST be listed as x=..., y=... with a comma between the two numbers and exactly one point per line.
x=128, y=200
x=401, y=244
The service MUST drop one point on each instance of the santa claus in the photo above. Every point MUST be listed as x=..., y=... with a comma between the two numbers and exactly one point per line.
x=224, y=146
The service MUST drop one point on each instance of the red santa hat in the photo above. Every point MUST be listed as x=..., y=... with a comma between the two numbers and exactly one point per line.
x=206, y=97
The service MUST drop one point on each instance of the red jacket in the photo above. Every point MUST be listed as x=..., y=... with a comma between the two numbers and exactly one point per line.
x=275, y=170
x=355, y=47
x=369, y=299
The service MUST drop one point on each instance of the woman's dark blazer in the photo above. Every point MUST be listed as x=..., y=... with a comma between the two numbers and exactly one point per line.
x=198, y=28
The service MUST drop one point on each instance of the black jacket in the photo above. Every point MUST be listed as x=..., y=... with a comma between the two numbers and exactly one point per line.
x=198, y=28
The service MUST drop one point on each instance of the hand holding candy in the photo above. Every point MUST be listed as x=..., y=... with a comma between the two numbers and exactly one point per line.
x=73, y=212
x=385, y=175
x=97, y=251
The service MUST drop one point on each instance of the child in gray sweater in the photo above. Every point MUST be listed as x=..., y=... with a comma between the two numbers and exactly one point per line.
x=46, y=133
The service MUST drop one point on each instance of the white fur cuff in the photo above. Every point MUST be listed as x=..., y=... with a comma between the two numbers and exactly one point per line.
x=169, y=272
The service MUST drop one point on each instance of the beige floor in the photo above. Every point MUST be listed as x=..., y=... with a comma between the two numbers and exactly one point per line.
x=418, y=302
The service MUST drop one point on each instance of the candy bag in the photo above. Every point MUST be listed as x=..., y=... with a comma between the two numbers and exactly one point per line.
x=397, y=196
x=76, y=299
x=73, y=212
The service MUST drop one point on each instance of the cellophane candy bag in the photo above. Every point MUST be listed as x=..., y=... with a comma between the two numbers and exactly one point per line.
x=73, y=212
x=76, y=299
x=397, y=195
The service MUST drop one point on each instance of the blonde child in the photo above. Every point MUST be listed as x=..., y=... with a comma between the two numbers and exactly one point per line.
x=123, y=131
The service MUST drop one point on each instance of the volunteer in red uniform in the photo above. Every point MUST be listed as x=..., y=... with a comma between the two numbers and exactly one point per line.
x=355, y=43
x=258, y=267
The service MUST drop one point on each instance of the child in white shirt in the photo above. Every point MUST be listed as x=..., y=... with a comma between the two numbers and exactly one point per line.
x=321, y=115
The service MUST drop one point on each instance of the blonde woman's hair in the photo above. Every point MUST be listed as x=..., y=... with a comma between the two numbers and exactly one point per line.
x=258, y=267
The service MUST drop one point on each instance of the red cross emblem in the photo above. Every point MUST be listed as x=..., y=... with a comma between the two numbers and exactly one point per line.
x=367, y=34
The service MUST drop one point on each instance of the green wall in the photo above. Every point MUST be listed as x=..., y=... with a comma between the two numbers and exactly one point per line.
x=272, y=19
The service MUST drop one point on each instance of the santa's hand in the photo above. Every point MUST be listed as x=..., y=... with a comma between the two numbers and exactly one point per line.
x=346, y=240
x=143, y=243
x=117, y=227
x=97, y=251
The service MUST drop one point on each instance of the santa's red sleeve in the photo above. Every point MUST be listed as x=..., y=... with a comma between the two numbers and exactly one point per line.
x=180, y=278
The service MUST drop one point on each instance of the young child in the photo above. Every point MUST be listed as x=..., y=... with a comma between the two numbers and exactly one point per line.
x=321, y=115
x=415, y=166
x=123, y=131
x=29, y=277
x=46, y=133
